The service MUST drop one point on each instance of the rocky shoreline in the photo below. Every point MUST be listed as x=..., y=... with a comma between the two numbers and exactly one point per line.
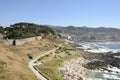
x=80, y=68
x=105, y=66
x=102, y=60
x=74, y=70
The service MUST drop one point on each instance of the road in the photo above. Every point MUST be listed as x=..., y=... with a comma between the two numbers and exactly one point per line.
x=34, y=63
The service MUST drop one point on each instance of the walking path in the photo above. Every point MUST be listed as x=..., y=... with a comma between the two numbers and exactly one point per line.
x=34, y=63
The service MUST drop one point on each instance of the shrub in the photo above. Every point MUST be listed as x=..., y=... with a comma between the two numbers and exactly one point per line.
x=30, y=56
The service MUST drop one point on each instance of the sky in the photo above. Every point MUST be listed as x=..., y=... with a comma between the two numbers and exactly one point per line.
x=91, y=13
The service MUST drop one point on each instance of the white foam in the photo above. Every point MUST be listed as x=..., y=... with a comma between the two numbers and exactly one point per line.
x=97, y=48
x=94, y=79
x=113, y=77
x=117, y=56
x=114, y=69
x=108, y=75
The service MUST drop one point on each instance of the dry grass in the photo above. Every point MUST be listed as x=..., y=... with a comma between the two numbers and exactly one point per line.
x=16, y=59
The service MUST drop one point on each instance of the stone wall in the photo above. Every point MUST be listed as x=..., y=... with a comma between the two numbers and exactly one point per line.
x=20, y=41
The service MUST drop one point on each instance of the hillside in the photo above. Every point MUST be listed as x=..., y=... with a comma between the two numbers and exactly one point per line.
x=25, y=30
x=89, y=34
x=14, y=59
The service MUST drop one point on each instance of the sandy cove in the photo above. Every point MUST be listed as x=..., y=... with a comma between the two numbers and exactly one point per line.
x=74, y=70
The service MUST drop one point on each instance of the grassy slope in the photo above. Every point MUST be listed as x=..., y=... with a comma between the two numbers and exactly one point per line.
x=12, y=67
x=14, y=61
x=51, y=64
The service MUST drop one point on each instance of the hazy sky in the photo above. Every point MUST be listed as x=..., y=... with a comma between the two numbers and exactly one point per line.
x=92, y=13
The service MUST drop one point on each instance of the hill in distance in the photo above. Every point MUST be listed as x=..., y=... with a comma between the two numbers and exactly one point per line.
x=87, y=34
x=25, y=30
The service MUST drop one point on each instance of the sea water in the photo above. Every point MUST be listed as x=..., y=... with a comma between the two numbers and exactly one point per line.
x=103, y=47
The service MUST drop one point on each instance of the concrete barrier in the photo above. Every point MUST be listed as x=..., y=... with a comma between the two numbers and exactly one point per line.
x=20, y=41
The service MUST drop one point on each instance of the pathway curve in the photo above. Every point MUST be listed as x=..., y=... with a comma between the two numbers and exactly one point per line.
x=34, y=63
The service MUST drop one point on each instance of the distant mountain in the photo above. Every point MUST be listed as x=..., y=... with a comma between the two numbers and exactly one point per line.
x=90, y=34
x=51, y=26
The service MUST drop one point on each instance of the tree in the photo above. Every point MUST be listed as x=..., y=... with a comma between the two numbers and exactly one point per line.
x=25, y=30
x=1, y=29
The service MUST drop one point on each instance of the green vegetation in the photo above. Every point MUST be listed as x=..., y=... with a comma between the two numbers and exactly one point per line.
x=25, y=30
x=29, y=74
x=54, y=61
x=30, y=56
x=42, y=57
x=50, y=69
x=51, y=72
x=63, y=49
x=1, y=29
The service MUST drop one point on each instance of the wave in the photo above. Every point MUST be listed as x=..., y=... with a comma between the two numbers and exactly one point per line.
x=101, y=47
x=105, y=75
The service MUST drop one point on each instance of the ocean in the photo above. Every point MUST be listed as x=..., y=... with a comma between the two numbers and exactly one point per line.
x=106, y=48
x=101, y=47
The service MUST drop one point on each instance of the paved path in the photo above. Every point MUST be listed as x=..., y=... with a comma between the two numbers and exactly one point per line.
x=34, y=63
